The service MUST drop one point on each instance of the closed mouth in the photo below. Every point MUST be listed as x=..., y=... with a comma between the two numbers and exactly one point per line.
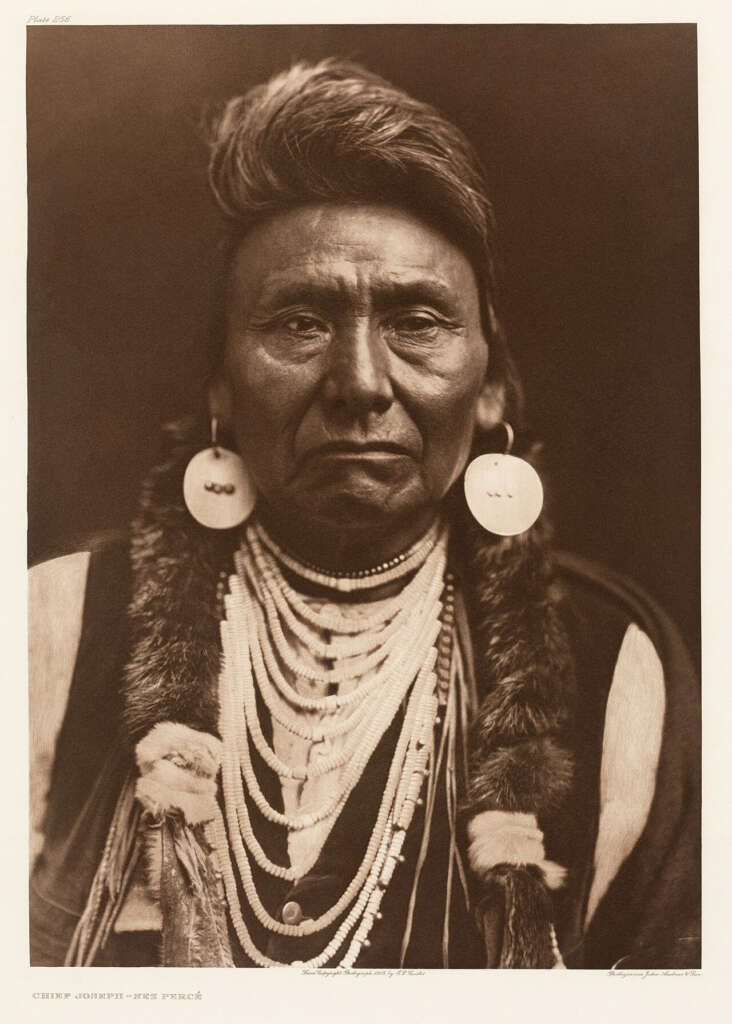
x=359, y=448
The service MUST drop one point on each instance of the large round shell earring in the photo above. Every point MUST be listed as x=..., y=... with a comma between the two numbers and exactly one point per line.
x=217, y=488
x=504, y=493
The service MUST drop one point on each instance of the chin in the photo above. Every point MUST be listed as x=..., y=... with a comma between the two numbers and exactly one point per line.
x=361, y=508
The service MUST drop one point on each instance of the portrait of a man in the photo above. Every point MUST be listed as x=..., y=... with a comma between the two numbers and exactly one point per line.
x=364, y=423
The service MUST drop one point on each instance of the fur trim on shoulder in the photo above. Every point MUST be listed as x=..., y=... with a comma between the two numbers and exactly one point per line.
x=174, y=662
x=524, y=672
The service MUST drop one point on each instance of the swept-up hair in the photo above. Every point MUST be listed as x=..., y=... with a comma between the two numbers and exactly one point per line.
x=336, y=132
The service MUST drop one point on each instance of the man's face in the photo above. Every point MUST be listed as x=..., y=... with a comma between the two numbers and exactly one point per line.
x=353, y=363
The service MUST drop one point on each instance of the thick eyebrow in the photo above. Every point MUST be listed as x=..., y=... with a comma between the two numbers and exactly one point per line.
x=425, y=291
x=383, y=294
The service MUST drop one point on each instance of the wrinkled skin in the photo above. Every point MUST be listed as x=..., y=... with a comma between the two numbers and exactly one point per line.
x=354, y=364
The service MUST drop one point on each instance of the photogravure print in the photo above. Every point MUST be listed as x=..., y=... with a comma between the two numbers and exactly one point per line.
x=373, y=398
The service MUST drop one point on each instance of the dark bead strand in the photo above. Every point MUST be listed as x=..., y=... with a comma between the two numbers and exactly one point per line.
x=445, y=640
x=360, y=574
x=222, y=587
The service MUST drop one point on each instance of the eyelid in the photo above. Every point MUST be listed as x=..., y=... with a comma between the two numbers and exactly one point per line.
x=436, y=319
x=281, y=320
x=312, y=325
x=301, y=316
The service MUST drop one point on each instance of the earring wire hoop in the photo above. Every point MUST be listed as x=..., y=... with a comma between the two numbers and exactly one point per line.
x=509, y=436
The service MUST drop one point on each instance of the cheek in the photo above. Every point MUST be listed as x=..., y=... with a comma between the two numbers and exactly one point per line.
x=451, y=426
x=449, y=423
x=264, y=395
x=450, y=400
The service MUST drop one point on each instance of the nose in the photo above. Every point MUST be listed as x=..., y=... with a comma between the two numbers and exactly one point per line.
x=357, y=379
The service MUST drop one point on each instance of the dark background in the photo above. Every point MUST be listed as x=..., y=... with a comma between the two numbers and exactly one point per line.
x=589, y=135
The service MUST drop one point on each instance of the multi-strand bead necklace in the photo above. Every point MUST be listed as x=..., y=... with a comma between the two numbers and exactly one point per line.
x=401, y=649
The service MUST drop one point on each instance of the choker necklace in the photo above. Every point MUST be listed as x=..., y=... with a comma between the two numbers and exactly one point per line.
x=362, y=579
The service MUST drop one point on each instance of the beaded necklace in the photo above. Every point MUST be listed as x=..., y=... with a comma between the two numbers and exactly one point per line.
x=392, y=569
x=404, y=646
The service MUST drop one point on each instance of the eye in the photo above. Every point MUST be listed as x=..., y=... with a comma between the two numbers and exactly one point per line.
x=415, y=322
x=303, y=325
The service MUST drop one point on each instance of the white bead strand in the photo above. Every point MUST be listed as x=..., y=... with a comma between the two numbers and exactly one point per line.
x=366, y=580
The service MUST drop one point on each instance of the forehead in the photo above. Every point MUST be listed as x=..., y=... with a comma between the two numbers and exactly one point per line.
x=353, y=250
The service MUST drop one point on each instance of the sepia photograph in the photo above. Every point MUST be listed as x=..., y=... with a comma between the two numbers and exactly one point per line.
x=364, y=618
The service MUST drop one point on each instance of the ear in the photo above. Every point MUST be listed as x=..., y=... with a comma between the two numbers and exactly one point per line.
x=490, y=405
x=220, y=401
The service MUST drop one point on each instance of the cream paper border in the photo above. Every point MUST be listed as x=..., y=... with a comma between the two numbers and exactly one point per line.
x=452, y=996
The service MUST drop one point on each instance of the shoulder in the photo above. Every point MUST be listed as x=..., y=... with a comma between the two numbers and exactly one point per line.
x=600, y=604
x=592, y=590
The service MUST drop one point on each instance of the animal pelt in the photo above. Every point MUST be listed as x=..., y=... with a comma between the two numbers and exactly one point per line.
x=525, y=908
x=518, y=760
x=172, y=673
